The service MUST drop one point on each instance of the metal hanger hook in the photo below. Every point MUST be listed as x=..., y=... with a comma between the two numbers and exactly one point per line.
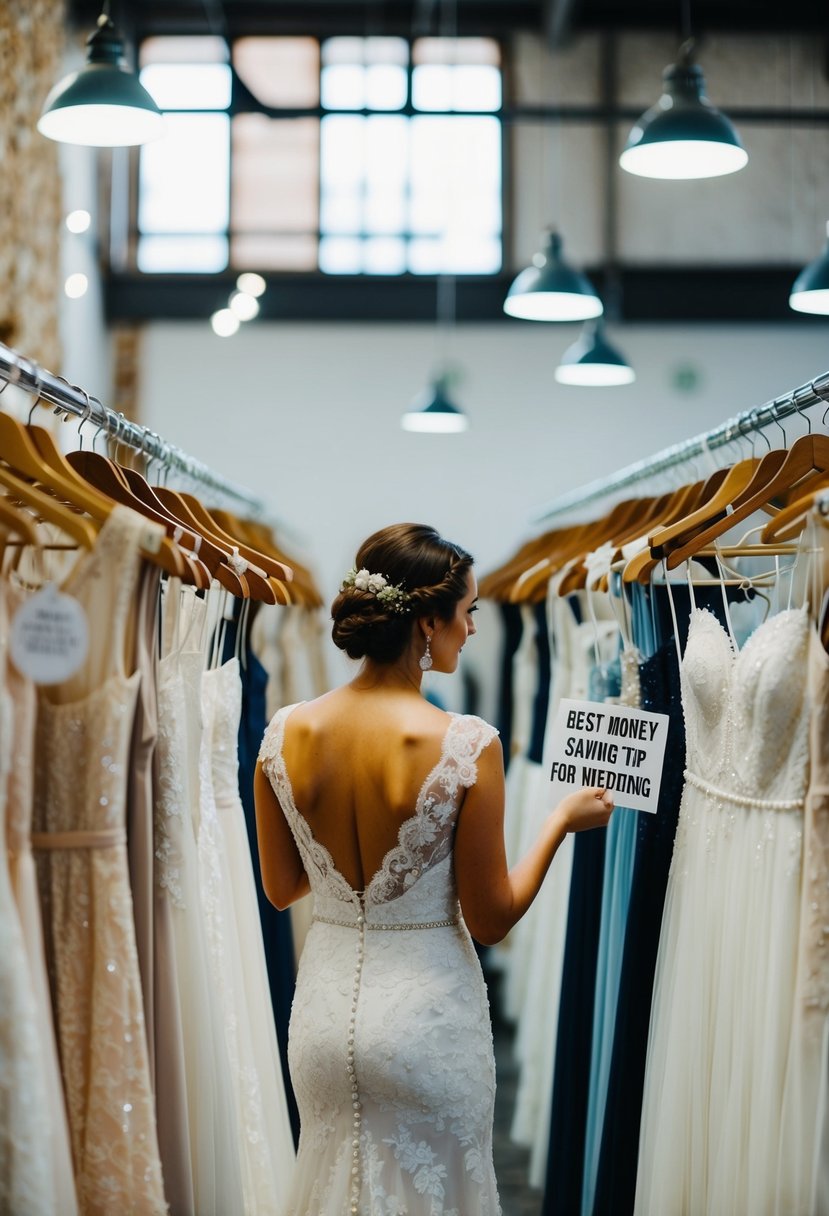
x=755, y=418
x=780, y=427
x=87, y=414
x=36, y=402
x=811, y=390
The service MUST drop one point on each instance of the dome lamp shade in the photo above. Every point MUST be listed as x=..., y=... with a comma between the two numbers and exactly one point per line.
x=550, y=290
x=103, y=104
x=592, y=362
x=433, y=412
x=683, y=135
x=810, y=290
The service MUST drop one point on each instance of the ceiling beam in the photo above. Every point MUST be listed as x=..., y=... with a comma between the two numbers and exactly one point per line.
x=678, y=294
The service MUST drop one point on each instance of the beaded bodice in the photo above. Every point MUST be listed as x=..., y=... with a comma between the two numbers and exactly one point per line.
x=746, y=711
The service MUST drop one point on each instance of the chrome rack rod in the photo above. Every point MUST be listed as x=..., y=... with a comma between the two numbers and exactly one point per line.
x=69, y=399
x=816, y=392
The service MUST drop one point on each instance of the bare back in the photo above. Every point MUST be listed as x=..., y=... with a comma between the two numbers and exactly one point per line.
x=356, y=763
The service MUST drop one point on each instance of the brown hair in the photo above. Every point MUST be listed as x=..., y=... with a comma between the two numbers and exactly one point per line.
x=431, y=570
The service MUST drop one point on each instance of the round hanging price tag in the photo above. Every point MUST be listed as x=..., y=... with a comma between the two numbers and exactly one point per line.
x=49, y=636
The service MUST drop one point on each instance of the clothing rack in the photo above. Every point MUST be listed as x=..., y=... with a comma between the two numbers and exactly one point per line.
x=816, y=392
x=70, y=399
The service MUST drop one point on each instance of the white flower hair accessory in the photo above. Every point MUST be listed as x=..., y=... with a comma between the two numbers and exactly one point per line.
x=390, y=595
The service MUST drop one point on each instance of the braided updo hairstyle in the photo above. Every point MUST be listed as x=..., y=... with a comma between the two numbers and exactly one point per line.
x=431, y=570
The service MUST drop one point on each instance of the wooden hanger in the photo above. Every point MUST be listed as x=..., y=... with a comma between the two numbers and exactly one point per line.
x=182, y=505
x=16, y=522
x=106, y=477
x=789, y=520
x=809, y=454
x=712, y=505
x=80, y=527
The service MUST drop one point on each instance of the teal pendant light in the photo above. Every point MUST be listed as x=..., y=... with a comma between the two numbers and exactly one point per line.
x=103, y=104
x=810, y=290
x=683, y=136
x=592, y=362
x=433, y=412
x=550, y=290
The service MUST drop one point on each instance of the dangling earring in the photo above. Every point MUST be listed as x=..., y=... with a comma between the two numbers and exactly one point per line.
x=426, y=659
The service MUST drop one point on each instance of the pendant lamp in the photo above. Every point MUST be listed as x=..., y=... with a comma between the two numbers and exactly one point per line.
x=593, y=362
x=683, y=136
x=104, y=104
x=433, y=411
x=810, y=290
x=550, y=290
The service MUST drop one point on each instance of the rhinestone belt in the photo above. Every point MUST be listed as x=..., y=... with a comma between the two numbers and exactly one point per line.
x=765, y=804
x=351, y=924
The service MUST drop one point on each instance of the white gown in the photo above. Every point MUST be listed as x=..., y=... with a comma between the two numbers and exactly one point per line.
x=390, y=1044
x=724, y=990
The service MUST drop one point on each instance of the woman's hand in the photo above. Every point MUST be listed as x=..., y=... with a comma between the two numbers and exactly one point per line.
x=590, y=807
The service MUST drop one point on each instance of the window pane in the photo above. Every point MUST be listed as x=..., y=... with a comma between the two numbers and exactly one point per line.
x=386, y=87
x=341, y=255
x=274, y=174
x=280, y=71
x=188, y=86
x=184, y=178
x=384, y=255
x=343, y=86
x=386, y=151
x=476, y=88
x=196, y=49
x=274, y=252
x=342, y=150
x=386, y=50
x=363, y=73
x=385, y=212
x=342, y=50
x=341, y=211
x=456, y=50
x=456, y=87
x=182, y=254
x=455, y=187
x=425, y=256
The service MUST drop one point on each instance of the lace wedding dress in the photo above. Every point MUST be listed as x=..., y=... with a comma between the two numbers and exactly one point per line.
x=391, y=1047
x=723, y=999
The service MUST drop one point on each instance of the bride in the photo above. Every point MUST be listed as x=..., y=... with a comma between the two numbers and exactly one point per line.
x=391, y=811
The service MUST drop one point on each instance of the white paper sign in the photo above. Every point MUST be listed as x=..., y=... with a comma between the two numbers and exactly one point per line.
x=614, y=746
x=49, y=636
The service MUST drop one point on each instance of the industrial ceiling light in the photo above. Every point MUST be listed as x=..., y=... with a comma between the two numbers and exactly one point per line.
x=103, y=105
x=433, y=411
x=810, y=290
x=683, y=136
x=593, y=362
x=550, y=290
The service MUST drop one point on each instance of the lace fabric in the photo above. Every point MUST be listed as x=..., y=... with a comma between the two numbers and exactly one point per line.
x=391, y=1046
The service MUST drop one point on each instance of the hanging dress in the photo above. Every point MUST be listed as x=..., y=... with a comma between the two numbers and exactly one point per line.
x=725, y=975
x=210, y=1111
x=82, y=749
x=238, y=954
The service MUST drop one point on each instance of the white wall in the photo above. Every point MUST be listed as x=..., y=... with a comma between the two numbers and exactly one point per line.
x=308, y=416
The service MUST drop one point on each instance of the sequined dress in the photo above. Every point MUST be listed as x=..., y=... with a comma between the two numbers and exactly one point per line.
x=82, y=744
x=391, y=1047
x=725, y=975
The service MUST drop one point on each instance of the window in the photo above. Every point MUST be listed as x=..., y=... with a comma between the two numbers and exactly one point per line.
x=373, y=156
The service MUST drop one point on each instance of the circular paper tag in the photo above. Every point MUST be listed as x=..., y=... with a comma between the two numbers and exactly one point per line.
x=49, y=636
